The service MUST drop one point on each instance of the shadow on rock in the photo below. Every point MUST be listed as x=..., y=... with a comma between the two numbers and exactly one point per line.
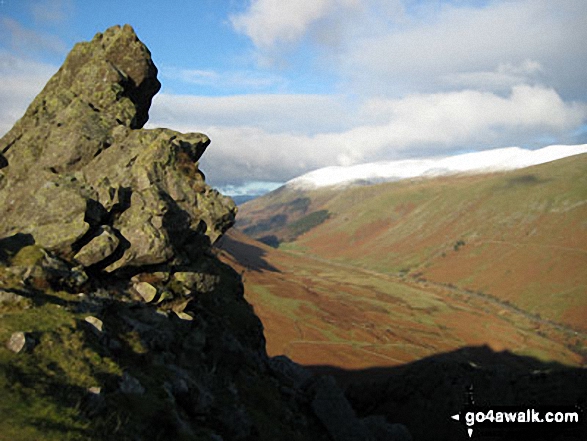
x=11, y=245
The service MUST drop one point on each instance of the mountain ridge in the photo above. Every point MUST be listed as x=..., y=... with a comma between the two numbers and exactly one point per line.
x=501, y=159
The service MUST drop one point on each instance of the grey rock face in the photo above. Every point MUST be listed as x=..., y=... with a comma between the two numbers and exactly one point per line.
x=99, y=248
x=147, y=291
x=96, y=324
x=10, y=298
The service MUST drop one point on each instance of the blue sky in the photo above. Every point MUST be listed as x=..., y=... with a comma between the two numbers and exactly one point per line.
x=283, y=88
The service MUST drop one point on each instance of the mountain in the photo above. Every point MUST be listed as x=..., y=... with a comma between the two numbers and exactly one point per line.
x=416, y=295
x=117, y=320
x=241, y=199
x=121, y=317
x=509, y=158
x=518, y=236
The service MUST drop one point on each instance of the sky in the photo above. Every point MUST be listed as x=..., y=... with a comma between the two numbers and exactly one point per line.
x=283, y=88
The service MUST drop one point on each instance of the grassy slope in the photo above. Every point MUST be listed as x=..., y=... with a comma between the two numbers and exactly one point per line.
x=320, y=312
x=519, y=236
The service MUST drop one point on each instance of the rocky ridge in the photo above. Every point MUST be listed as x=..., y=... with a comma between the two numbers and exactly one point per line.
x=119, y=320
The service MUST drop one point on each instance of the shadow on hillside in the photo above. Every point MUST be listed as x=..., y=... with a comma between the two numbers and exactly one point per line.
x=137, y=363
x=249, y=256
x=424, y=394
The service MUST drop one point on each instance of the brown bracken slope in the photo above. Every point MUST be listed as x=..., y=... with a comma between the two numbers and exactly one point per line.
x=519, y=238
x=319, y=312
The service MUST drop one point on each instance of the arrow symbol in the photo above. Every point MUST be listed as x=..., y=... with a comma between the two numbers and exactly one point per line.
x=470, y=432
x=455, y=417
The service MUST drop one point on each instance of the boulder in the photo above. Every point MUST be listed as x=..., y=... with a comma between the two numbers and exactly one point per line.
x=96, y=324
x=147, y=291
x=99, y=248
x=130, y=385
x=104, y=83
x=10, y=298
x=18, y=342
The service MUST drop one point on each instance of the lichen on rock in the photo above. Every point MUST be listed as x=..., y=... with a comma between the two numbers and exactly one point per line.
x=78, y=164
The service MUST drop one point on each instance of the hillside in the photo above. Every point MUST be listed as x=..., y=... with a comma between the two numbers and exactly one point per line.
x=519, y=236
x=320, y=312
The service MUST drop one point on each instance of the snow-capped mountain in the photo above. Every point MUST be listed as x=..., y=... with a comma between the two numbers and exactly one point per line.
x=508, y=158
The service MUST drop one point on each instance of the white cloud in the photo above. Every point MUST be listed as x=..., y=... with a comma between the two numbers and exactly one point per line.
x=502, y=79
x=245, y=79
x=268, y=22
x=52, y=11
x=273, y=113
x=21, y=81
x=395, y=47
x=276, y=27
x=380, y=129
x=474, y=117
x=466, y=43
x=23, y=40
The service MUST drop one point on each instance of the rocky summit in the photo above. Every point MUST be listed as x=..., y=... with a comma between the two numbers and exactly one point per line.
x=118, y=320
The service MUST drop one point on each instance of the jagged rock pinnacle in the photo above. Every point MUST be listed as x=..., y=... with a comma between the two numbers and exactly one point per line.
x=79, y=163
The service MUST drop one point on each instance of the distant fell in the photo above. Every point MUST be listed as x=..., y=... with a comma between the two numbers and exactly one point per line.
x=520, y=236
x=501, y=159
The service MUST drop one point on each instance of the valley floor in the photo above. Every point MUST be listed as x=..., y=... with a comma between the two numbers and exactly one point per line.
x=319, y=312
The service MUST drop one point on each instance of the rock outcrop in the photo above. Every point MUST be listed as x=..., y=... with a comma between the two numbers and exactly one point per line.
x=119, y=320
x=86, y=182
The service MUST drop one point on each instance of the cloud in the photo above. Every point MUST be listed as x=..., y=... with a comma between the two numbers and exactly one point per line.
x=273, y=113
x=22, y=40
x=271, y=23
x=22, y=80
x=502, y=79
x=223, y=81
x=474, y=118
x=268, y=22
x=379, y=129
x=53, y=12
x=404, y=46
x=459, y=46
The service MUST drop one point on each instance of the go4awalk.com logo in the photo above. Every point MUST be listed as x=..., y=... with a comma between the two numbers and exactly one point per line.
x=530, y=422
x=504, y=419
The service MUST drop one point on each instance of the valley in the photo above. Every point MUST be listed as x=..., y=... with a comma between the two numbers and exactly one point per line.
x=385, y=274
x=319, y=312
